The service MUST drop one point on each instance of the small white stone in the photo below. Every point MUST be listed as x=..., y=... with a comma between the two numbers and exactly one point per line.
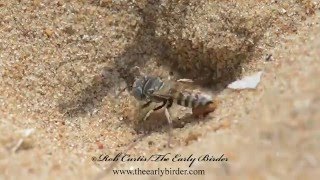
x=248, y=82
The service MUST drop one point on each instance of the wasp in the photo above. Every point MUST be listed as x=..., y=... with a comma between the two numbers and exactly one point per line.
x=153, y=89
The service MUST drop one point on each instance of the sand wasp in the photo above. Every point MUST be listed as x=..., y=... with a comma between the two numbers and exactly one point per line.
x=152, y=89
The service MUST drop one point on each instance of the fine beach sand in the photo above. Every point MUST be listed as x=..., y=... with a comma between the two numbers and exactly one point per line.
x=64, y=65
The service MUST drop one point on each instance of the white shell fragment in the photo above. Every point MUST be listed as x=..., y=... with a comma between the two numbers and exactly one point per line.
x=248, y=82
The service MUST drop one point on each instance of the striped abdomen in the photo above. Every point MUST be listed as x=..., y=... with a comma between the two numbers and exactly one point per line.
x=191, y=100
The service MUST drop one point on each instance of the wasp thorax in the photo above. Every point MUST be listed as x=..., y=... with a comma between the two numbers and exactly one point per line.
x=145, y=86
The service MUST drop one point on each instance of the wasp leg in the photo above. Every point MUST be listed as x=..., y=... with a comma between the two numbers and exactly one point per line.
x=166, y=104
x=161, y=106
x=152, y=110
x=166, y=111
x=148, y=114
x=146, y=104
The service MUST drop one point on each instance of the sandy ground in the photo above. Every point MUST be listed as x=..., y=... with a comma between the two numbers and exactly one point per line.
x=64, y=64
